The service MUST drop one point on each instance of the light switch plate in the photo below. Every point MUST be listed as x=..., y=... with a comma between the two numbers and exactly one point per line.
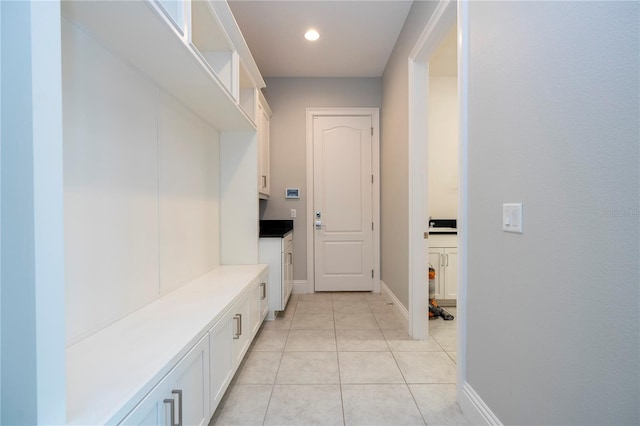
x=293, y=213
x=512, y=217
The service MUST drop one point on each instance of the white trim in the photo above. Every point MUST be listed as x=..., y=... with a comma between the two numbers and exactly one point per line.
x=463, y=135
x=442, y=20
x=301, y=287
x=475, y=409
x=374, y=113
x=400, y=309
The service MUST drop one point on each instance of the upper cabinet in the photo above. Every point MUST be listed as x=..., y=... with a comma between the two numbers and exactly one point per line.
x=264, y=116
x=192, y=49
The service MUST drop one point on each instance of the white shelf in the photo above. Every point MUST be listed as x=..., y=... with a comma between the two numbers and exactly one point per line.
x=142, y=34
x=108, y=372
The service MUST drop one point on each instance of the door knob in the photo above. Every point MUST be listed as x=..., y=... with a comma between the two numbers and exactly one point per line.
x=318, y=224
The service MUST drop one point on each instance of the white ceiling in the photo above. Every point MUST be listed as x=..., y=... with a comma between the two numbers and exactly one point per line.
x=356, y=36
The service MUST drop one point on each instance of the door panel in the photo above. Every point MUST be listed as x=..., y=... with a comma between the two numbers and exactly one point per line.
x=343, y=241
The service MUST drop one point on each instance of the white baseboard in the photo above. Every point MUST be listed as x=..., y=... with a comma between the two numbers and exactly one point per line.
x=301, y=287
x=475, y=409
x=401, y=310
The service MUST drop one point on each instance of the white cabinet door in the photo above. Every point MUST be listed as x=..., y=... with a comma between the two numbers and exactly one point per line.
x=451, y=275
x=435, y=260
x=263, y=143
x=259, y=304
x=287, y=269
x=241, y=329
x=264, y=297
x=184, y=390
x=221, y=359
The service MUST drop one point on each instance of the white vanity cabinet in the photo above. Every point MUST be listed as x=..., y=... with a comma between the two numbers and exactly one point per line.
x=277, y=252
x=264, y=116
x=183, y=392
x=443, y=257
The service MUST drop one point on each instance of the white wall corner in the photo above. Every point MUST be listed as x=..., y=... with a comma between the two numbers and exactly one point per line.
x=301, y=287
x=476, y=411
x=401, y=310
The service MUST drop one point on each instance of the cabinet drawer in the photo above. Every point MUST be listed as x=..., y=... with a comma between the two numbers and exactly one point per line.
x=185, y=387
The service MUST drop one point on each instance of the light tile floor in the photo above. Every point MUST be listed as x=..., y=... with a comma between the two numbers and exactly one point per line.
x=344, y=359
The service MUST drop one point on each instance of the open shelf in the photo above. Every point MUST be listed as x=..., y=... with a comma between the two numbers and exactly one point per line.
x=144, y=35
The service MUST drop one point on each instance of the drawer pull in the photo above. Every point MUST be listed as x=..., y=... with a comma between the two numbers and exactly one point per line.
x=264, y=291
x=238, y=318
x=179, y=393
x=172, y=405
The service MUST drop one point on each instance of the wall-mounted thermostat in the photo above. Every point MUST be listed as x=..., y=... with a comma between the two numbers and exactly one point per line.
x=292, y=193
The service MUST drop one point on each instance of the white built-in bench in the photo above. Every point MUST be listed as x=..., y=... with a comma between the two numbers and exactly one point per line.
x=193, y=338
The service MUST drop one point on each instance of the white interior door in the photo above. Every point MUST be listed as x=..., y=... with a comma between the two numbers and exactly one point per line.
x=343, y=211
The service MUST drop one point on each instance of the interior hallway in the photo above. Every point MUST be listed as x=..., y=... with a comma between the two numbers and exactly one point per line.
x=344, y=359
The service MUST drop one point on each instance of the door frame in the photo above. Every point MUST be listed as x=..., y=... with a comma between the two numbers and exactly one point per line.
x=374, y=113
x=446, y=14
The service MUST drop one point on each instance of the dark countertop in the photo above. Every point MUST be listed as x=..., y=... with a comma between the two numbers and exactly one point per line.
x=275, y=228
x=443, y=226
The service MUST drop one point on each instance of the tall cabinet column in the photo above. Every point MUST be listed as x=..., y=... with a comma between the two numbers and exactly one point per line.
x=32, y=243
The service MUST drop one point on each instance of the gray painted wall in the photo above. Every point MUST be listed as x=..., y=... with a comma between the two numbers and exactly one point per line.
x=553, y=123
x=289, y=98
x=394, y=157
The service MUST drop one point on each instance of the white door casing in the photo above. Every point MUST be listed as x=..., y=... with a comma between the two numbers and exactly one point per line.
x=343, y=186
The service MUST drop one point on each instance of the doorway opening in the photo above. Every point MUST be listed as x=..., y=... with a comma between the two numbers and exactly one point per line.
x=445, y=18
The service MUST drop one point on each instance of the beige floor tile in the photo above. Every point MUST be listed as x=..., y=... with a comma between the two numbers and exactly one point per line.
x=270, y=340
x=368, y=367
x=351, y=307
x=400, y=341
x=453, y=356
x=313, y=322
x=438, y=405
x=349, y=295
x=445, y=338
x=311, y=297
x=315, y=307
x=389, y=321
x=243, y=405
x=311, y=340
x=299, y=405
x=426, y=367
x=258, y=368
x=356, y=322
x=383, y=405
x=289, y=310
x=308, y=368
x=277, y=324
x=361, y=340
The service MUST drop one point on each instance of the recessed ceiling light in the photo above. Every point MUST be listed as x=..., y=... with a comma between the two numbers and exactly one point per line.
x=311, y=35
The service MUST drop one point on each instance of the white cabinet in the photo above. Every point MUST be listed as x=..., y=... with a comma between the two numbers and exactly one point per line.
x=278, y=254
x=231, y=336
x=264, y=116
x=259, y=305
x=183, y=393
x=221, y=359
x=443, y=257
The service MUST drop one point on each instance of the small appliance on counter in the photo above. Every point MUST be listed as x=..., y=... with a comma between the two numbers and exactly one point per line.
x=275, y=248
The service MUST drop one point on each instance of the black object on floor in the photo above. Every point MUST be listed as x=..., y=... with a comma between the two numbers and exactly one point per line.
x=438, y=311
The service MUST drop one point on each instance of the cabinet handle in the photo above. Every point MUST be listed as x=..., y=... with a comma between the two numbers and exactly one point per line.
x=290, y=258
x=264, y=181
x=172, y=404
x=238, y=319
x=179, y=393
x=447, y=256
x=264, y=291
